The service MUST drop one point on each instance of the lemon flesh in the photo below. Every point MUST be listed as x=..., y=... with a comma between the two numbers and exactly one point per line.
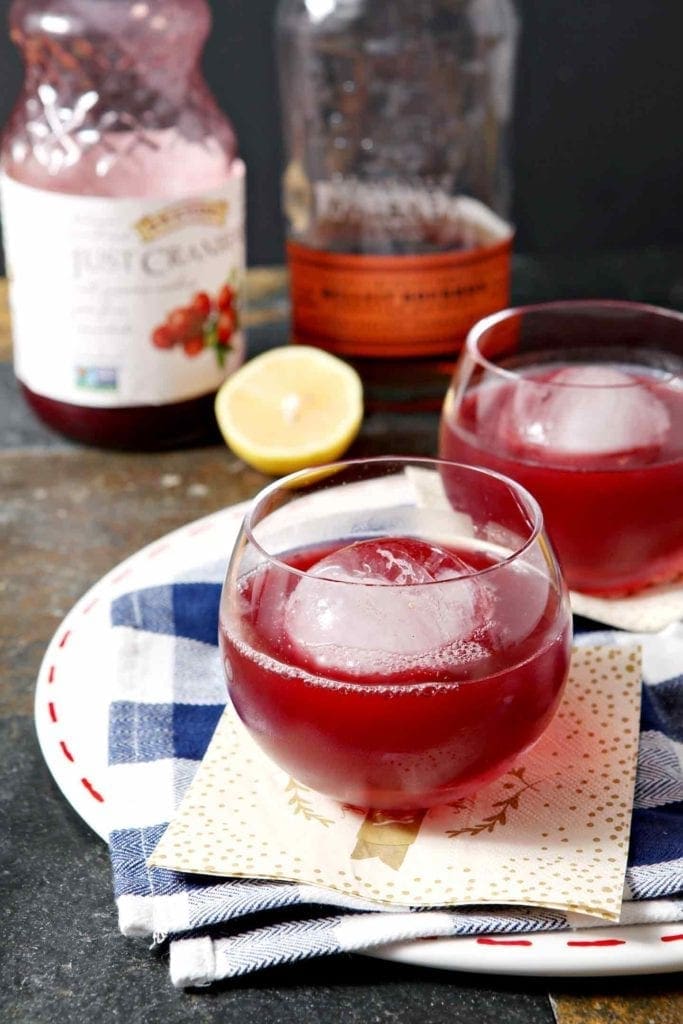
x=289, y=408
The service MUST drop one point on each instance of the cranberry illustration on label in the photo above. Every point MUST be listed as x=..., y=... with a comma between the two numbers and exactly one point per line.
x=206, y=322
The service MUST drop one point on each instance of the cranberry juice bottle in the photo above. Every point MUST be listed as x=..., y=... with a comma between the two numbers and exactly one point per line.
x=470, y=674
x=123, y=216
x=604, y=457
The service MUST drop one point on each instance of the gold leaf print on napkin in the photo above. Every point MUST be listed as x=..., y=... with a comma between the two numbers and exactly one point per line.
x=500, y=816
x=303, y=806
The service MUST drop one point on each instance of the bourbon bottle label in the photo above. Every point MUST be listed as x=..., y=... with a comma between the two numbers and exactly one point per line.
x=413, y=305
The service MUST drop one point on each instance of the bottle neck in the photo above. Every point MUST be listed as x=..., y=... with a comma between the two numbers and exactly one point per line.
x=143, y=53
x=105, y=98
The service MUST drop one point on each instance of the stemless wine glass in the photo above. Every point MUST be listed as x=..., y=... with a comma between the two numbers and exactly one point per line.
x=394, y=631
x=582, y=403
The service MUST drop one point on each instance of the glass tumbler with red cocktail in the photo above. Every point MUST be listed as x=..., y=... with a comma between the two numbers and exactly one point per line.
x=395, y=632
x=582, y=403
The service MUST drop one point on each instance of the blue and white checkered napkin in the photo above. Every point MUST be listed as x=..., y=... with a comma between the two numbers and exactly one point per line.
x=168, y=696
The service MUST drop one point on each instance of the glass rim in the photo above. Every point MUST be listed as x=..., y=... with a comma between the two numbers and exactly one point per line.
x=531, y=505
x=487, y=324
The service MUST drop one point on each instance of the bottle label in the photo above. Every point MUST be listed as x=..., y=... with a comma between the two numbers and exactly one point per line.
x=124, y=302
x=366, y=305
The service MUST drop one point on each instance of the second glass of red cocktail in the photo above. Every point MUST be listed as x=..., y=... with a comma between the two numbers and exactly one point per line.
x=395, y=632
x=582, y=403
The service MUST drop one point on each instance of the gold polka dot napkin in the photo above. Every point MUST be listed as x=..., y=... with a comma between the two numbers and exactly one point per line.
x=552, y=832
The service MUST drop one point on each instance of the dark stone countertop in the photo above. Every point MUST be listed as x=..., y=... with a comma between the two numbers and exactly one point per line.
x=69, y=515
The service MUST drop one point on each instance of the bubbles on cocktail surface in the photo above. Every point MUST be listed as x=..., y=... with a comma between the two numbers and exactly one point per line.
x=590, y=410
x=371, y=608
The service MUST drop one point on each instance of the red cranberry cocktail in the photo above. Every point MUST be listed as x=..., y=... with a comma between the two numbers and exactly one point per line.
x=582, y=403
x=395, y=632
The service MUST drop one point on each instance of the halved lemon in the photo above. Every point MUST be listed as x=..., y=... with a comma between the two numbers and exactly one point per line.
x=289, y=408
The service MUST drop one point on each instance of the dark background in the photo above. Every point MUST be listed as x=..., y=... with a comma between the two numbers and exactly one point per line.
x=597, y=134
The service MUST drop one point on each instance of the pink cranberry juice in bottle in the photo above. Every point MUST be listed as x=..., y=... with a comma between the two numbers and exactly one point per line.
x=394, y=672
x=123, y=216
x=600, y=446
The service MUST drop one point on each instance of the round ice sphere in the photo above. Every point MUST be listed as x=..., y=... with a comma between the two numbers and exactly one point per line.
x=380, y=606
x=588, y=410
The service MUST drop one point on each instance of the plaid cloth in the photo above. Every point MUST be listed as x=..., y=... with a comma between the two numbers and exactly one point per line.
x=168, y=696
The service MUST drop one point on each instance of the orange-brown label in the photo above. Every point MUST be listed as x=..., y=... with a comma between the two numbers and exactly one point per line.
x=395, y=305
